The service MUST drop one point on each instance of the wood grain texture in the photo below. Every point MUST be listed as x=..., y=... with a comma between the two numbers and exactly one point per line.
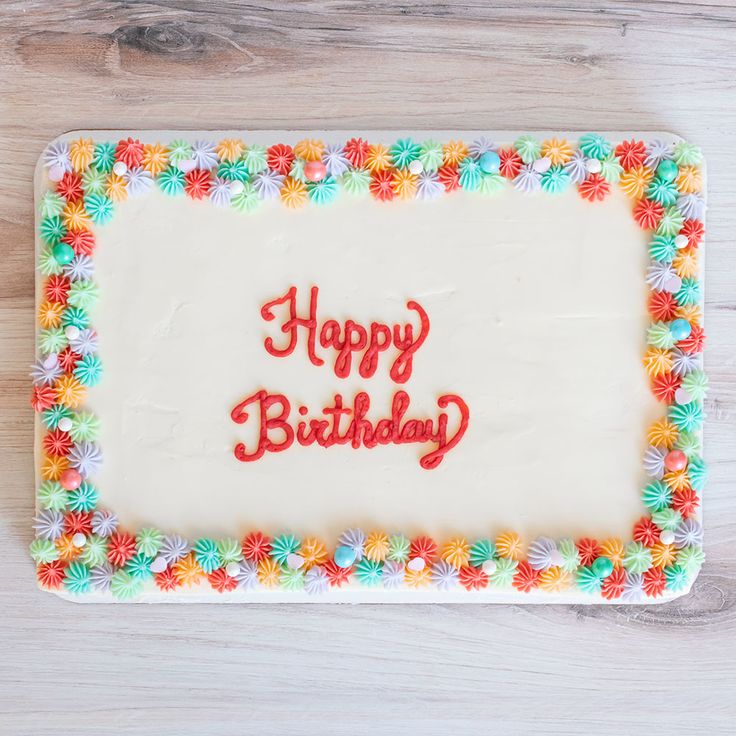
x=368, y=669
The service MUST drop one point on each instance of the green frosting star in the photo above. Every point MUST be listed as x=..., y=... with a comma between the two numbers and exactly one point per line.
x=637, y=558
x=528, y=148
x=323, y=192
x=139, y=566
x=83, y=294
x=588, y=580
x=677, y=577
x=491, y=184
x=292, y=580
x=95, y=551
x=687, y=417
x=88, y=370
x=207, y=554
x=663, y=192
x=611, y=169
x=148, y=541
x=570, y=554
x=43, y=551
x=94, y=181
x=657, y=495
x=555, y=180
x=696, y=384
x=99, y=207
x=255, y=158
x=398, y=548
x=104, y=157
x=356, y=182
x=52, y=340
x=369, y=572
x=283, y=546
x=247, y=200
x=690, y=558
x=171, y=181
x=75, y=317
x=663, y=248
x=688, y=293
x=404, y=151
x=85, y=427
x=687, y=154
x=51, y=495
x=233, y=171
x=431, y=155
x=124, y=586
x=47, y=264
x=660, y=335
x=54, y=414
x=230, y=550
x=671, y=222
x=52, y=230
x=697, y=471
x=594, y=145
x=470, y=174
x=481, y=551
x=83, y=498
x=179, y=151
x=77, y=578
x=504, y=573
x=297, y=170
x=667, y=519
x=689, y=443
x=52, y=204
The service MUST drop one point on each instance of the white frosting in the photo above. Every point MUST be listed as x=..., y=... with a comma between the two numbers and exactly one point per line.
x=537, y=312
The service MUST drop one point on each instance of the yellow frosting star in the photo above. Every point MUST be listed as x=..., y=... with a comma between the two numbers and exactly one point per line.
x=378, y=158
x=613, y=548
x=53, y=466
x=81, y=153
x=230, y=149
x=635, y=181
x=689, y=180
x=663, y=554
x=49, y=314
x=691, y=312
x=454, y=152
x=155, y=158
x=116, y=189
x=376, y=546
x=75, y=217
x=657, y=361
x=293, y=193
x=554, y=580
x=456, y=552
x=509, y=545
x=313, y=551
x=187, y=570
x=557, y=150
x=405, y=184
x=418, y=578
x=686, y=263
x=66, y=548
x=310, y=149
x=69, y=391
x=269, y=572
x=662, y=434
x=677, y=480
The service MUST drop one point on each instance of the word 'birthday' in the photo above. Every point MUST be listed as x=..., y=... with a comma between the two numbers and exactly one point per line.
x=347, y=338
x=276, y=427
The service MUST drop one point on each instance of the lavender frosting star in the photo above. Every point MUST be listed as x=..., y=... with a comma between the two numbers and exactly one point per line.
x=57, y=154
x=174, y=548
x=480, y=146
x=334, y=160
x=576, y=169
x=541, y=553
x=633, y=588
x=658, y=274
x=316, y=581
x=80, y=268
x=689, y=534
x=247, y=575
x=101, y=577
x=49, y=524
x=268, y=184
x=138, y=180
x=654, y=461
x=104, y=523
x=683, y=363
x=691, y=206
x=429, y=185
x=45, y=371
x=85, y=343
x=86, y=457
x=657, y=151
x=220, y=193
x=355, y=540
x=444, y=575
x=528, y=180
x=393, y=574
x=204, y=154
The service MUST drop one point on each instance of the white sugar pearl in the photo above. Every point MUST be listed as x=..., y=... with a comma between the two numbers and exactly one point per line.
x=681, y=241
x=232, y=569
x=65, y=424
x=51, y=360
x=673, y=284
x=79, y=540
x=593, y=165
x=489, y=567
x=119, y=168
x=294, y=561
x=682, y=396
x=187, y=165
x=542, y=164
x=236, y=187
x=56, y=173
x=416, y=167
x=667, y=537
x=159, y=564
x=71, y=332
x=416, y=564
x=556, y=558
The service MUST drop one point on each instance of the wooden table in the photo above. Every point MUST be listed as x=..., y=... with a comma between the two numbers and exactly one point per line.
x=368, y=669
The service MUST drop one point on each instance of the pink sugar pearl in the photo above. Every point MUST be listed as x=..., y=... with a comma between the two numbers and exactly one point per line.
x=315, y=170
x=70, y=479
x=675, y=460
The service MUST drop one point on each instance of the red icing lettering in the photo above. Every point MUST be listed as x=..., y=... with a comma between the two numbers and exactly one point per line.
x=336, y=427
x=347, y=338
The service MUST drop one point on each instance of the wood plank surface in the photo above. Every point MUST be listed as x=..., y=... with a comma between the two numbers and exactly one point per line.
x=183, y=670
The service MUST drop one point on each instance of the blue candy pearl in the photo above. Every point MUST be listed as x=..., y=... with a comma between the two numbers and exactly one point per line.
x=680, y=329
x=344, y=556
x=490, y=162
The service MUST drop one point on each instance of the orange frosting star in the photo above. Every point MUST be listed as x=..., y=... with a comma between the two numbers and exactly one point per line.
x=74, y=216
x=509, y=545
x=230, y=149
x=293, y=193
x=557, y=150
x=155, y=158
x=635, y=181
x=269, y=572
x=81, y=153
x=456, y=552
x=663, y=434
x=310, y=149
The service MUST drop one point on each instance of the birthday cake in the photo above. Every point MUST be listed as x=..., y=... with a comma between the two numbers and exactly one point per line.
x=391, y=367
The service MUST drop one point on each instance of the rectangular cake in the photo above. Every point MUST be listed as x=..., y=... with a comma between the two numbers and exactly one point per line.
x=380, y=366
